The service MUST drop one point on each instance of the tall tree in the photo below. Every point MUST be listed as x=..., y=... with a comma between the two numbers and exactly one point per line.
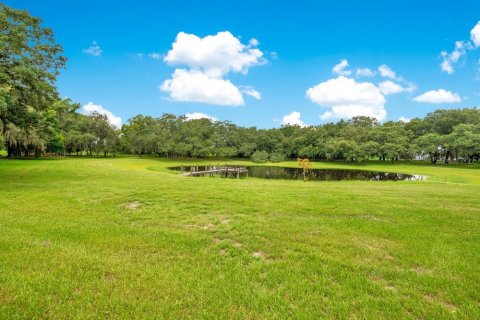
x=29, y=63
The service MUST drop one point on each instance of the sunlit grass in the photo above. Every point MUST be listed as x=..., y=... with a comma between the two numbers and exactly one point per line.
x=128, y=238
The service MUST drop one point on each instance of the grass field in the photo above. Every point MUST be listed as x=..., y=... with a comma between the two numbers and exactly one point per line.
x=127, y=238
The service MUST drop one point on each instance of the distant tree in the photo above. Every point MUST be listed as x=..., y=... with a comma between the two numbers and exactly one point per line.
x=430, y=145
x=464, y=141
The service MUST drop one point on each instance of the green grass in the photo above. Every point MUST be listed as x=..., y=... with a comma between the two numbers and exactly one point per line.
x=127, y=238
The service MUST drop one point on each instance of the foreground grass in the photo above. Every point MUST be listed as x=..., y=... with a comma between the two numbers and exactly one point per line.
x=127, y=238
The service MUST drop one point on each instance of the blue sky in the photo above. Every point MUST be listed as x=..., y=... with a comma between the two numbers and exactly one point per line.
x=121, y=57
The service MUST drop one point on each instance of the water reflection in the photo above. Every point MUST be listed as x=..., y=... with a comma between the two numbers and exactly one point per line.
x=266, y=172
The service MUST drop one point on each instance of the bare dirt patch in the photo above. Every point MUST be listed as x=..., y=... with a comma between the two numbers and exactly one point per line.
x=450, y=307
x=209, y=226
x=133, y=205
x=258, y=254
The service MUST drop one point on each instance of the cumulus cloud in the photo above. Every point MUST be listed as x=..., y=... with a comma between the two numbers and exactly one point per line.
x=389, y=87
x=340, y=68
x=196, y=86
x=292, y=119
x=387, y=72
x=208, y=61
x=214, y=55
x=449, y=59
x=199, y=115
x=404, y=119
x=438, y=96
x=155, y=56
x=94, y=50
x=91, y=107
x=348, y=98
x=365, y=72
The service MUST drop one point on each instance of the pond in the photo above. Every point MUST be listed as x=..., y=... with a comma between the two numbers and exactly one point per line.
x=271, y=172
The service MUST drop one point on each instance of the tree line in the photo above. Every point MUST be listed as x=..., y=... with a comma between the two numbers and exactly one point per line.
x=35, y=121
x=442, y=135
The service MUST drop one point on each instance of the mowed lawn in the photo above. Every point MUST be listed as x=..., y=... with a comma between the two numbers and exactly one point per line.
x=126, y=238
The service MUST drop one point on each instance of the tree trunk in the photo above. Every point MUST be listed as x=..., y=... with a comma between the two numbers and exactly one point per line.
x=447, y=155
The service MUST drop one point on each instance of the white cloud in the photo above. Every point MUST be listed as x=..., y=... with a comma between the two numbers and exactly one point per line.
x=438, y=96
x=195, y=86
x=340, y=68
x=251, y=91
x=214, y=55
x=404, y=119
x=389, y=87
x=91, y=107
x=293, y=119
x=155, y=55
x=199, y=115
x=348, y=98
x=94, y=50
x=209, y=60
x=387, y=72
x=365, y=72
x=475, y=35
x=449, y=59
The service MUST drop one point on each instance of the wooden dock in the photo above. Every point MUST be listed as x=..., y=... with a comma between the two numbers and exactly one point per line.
x=224, y=171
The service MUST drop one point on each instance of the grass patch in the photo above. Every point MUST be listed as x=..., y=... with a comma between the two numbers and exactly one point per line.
x=128, y=238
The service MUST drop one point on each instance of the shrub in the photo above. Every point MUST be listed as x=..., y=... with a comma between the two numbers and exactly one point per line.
x=277, y=157
x=260, y=156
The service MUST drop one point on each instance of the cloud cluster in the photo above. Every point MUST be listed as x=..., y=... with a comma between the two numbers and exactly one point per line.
x=293, y=119
x=438, y=96
x=206, y=61
x=196, y=86
x=94, y=50
x=214, y=55
x=91, y=107
x=348, y=98
x=449, y=59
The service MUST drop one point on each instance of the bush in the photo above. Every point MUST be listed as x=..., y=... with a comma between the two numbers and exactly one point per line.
x=260, y=156
x=277, y=157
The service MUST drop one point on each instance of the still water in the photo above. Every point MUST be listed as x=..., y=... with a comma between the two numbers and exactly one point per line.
x=266, y=172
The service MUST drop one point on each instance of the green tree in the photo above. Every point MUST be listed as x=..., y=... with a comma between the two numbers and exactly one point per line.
x=29, y=63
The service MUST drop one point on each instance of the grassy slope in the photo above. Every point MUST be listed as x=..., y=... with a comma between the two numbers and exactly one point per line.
x=224, y=248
